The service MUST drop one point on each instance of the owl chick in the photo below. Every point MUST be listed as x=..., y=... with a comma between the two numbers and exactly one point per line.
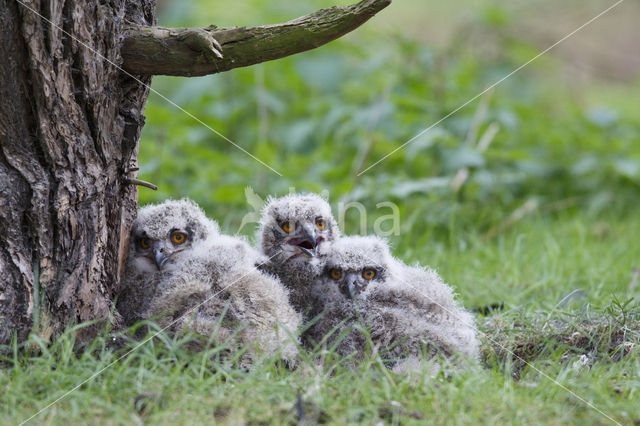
x=162, y=236
x=405, y=309
x=200, y=280
x=219, y=292
x=292, y=230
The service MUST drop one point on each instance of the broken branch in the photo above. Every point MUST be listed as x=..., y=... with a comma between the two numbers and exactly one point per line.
x=196, y=51
x=133, y=181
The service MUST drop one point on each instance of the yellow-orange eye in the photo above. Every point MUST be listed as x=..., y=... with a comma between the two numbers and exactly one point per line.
x=368, y=274
x=178, y=237
x=287, y=226
x=145, y=243
x=320, y=223
x=336, y=274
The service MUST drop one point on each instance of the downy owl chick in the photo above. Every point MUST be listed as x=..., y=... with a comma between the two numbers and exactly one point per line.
x=405, y=309
x=218, y=292
x=353, y=267
x=162, y=236
x=292, y=230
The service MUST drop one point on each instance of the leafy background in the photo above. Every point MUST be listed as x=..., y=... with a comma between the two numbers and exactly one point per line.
x=567, y=142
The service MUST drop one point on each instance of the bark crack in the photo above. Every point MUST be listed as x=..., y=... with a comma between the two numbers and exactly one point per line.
x=45, y=11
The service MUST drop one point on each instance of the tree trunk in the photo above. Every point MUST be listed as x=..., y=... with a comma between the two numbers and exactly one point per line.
x=70, y=122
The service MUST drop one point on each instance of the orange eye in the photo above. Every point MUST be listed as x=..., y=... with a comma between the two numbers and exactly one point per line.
x=287, y=226
x=145, y=243
x=178, y=237
x=320, y=223
x=336, y=274
x=368, y=274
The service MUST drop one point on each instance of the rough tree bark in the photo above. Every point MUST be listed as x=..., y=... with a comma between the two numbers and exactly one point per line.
x=70, y=122
x=69, y=125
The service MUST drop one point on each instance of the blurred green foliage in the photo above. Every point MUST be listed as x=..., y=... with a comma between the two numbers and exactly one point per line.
x=321, y=117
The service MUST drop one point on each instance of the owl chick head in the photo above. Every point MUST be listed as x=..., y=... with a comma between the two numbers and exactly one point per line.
x=163, y=231
x=294, y=226
x=355, y=263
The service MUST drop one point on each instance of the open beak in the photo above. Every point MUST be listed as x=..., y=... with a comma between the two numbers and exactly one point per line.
x=307, y=245
x=309, y=242
x=160, y=257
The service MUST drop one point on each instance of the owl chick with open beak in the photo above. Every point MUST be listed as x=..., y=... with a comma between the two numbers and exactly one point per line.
x=293, y=230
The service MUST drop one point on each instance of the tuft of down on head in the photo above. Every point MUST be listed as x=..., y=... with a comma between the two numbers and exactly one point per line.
x=355, y=252
x=155, y=220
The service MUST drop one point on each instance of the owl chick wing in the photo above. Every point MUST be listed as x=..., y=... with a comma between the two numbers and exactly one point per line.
x=419, y=307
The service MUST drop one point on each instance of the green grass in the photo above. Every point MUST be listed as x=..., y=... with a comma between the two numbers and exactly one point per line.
x=529, y=267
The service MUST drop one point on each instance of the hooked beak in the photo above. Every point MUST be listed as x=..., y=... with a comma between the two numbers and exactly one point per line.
x=309, y=243
x=160, y=257
x=353, y=289
x=352, y=286
x=311, y=252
